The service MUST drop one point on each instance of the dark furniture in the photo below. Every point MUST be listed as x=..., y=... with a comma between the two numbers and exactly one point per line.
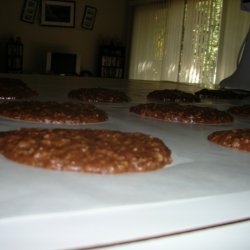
x=14, y=57
x=111, y=61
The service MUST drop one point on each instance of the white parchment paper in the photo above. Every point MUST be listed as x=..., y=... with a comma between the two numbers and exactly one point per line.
x=199, y=169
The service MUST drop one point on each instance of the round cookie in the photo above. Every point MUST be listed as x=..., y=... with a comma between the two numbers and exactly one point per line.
x=85, y=150
x=242, y=110
x=98, y=95
x=53, y=112
x=220, y=94
x=182, y=113
x=15, y=89
x=171, y=95
x=238, y=139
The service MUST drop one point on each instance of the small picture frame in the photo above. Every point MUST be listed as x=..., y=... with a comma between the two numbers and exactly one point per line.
x=29, y=10
x=58, y=13
x=89, y=16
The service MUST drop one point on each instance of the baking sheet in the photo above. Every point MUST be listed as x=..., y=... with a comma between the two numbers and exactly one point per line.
x=199, y=169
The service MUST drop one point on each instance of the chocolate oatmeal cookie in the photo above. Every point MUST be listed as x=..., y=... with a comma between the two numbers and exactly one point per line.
x=171, y=95
x=53, y=112
x=220, y=94
x=238, y=139
x=15, y=89
x=182, y=113
x=85, y=150
x=98, y=95
x=242, y=110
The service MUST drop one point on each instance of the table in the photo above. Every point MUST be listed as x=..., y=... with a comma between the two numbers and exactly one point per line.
x=200, y=200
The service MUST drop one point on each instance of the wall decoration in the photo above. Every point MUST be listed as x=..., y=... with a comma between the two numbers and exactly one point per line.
x=58, y=13
x=89, y=16
x=29, y=10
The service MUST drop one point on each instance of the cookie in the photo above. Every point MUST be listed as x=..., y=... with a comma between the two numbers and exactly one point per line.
x=171, y=95
x=238, y=139
x=220, y=94
x=182, y=113
x=98, y=95
x=85, y=150
x=15, y=89
x=242, y=110
x=53, y=112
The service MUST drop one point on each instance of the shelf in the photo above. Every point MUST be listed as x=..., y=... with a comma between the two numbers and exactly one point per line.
x=14, y=57
x=111, y=61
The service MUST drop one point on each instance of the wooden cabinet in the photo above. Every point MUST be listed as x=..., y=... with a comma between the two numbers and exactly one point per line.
x=14, y=57
x=111, y=61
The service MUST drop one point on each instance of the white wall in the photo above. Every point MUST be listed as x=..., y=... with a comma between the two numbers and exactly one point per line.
x=110, y=23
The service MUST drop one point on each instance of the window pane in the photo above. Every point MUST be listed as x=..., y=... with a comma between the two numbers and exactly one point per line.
x=201, y=29
x=183, y=40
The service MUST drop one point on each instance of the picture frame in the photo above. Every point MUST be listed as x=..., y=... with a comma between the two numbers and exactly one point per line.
x=29, y=11
x=89, y=17
x=58, y=13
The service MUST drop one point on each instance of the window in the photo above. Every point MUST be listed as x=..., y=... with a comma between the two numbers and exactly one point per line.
x=186, y=40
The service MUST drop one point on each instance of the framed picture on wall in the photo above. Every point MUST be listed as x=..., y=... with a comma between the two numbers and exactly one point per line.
x=29, y=10
x=58, y=13
x=89, y=16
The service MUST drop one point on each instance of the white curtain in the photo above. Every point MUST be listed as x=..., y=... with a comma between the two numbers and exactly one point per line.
x=186, y=40
x=173, y=37
x=148, y=40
